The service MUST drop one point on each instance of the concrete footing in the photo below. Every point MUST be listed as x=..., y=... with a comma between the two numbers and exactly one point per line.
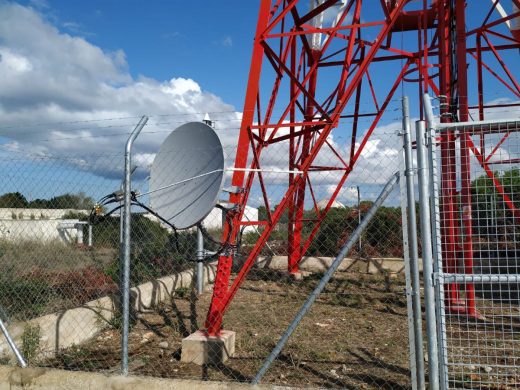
x=298, y=275
x=201, y=349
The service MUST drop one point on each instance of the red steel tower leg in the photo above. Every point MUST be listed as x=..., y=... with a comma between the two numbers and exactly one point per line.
x=465, y=164
x=448, y=163
x=345, y=78
x=216, y=310
x=296, y=254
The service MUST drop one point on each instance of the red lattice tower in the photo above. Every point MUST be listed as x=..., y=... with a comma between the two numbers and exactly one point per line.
x=312, y=67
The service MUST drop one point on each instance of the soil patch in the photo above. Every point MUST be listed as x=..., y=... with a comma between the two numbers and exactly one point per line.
x=354, y=337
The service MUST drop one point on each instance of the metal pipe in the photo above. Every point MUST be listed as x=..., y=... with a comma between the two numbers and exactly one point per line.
x=506, y=124
x=479, y=278
x=414, y=253
x=89, y=235
x=389, y=187
x=435, y=213
x=429, y=293
x=12, y=345
x=218, y=171
x=125, y=291
x=359, y=217
x=406, y=257
x=200, y=264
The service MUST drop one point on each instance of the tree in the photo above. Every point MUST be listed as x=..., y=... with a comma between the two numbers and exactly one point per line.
x=492, y=217
x=13, y=200
x=66, y=201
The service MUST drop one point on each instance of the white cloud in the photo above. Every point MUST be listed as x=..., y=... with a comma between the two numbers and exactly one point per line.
x=13, y=63
x=40, y=4
x=50, y=77
x=227, y=41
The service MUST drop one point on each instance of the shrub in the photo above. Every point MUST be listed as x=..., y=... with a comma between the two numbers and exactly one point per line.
x=31, y=342
x=26, y=297
x=83, y=285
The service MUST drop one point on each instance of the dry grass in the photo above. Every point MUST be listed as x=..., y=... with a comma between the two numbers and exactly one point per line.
x=21, y=258
x=354, y=337
x=41, y=278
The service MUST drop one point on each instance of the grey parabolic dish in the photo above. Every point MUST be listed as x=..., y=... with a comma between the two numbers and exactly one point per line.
x=191, y=150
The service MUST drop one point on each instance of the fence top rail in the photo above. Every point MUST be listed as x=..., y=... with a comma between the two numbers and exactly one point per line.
x=481, y=127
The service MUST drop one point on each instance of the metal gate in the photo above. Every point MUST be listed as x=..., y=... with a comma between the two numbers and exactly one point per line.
x=474, y=188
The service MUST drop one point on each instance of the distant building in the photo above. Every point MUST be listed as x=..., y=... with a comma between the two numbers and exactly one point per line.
x=323, y=203
x=214, y=220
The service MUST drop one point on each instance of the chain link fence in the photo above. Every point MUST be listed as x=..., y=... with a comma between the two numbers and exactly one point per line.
x=60, y=271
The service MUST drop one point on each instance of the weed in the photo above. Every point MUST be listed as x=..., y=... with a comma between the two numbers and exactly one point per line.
x=77, y=357
x=182, y=292
x=31, y=342
x=117, y=321
x=4, y=360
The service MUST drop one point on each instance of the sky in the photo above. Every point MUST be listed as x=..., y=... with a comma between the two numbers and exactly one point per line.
x=75, y=76
x=207, y=41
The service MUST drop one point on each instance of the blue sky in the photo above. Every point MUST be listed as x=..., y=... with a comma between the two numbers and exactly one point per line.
x=76, y=75
x=208, y=41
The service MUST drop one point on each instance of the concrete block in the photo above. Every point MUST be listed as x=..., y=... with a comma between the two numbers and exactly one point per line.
x=298, y=275
x=200, y=348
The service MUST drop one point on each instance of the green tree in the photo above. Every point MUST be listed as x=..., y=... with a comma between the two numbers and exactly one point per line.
x=492, y=217
x=66, y=201
x=13, y=200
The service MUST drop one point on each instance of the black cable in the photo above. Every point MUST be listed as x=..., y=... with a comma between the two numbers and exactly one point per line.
x=223, y=247
x=95, y=217
x=142, y=205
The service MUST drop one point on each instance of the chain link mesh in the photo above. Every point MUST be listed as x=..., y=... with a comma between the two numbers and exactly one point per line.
x=60, y=255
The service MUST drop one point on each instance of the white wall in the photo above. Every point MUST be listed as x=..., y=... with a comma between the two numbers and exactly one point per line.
x=32, y=214
x=64, y=230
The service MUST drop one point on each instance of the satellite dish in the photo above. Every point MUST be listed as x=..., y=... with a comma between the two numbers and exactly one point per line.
x=187, y=175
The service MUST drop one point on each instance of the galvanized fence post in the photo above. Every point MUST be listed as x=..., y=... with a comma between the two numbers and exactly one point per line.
x=427, y=258
x=435, y=215
x=413, y=251
x=125, y=290
x=408, y=279
x=200, y=264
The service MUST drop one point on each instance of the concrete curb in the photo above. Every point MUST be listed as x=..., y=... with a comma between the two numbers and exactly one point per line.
x=12, y=378
x=321, y=264
x=75, y=326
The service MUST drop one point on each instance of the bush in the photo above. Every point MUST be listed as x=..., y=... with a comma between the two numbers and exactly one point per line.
x=31, y=342
x=155, y=251
x=25, y=298
x=83, y=285
x=382, y=237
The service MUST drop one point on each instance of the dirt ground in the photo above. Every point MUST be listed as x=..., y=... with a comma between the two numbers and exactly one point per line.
x=355, y=336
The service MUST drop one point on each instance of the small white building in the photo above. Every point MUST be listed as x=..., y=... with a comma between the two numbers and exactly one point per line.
x=335, y=204
x=214, y=220
x=43, y=225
